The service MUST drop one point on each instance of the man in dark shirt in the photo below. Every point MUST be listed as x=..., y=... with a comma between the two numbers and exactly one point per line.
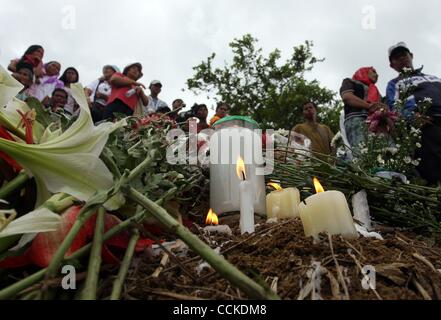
x=58, y=100
x=424, y=88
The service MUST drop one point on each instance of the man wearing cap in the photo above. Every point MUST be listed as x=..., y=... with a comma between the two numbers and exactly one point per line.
x=126, y=92
x=423, y=87
x=154, y=102
x=99, y=91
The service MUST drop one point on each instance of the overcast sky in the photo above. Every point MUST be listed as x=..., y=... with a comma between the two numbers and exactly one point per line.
x=169, y=37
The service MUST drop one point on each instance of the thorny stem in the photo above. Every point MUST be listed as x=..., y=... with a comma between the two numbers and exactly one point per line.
x=124, y=268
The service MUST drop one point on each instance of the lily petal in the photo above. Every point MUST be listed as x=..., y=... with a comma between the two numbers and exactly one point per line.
x=40, y=220
x=9, y=87
x=11, y=119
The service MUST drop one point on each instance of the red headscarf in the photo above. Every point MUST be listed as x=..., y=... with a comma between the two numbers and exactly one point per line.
x=362, y=75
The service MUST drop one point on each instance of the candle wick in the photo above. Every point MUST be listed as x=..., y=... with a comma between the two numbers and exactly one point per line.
x=243, y=175
x=304, y=202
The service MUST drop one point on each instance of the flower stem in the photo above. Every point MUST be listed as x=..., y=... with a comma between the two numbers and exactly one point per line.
x=119, y=281
x=93, y=271
x=84, y=215
x=110, y=164
x=21, y=285
x=219, y=263
x=13, y=185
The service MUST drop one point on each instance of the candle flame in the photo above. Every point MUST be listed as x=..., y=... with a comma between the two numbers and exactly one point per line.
x=240, y=169
x=275, y=186
x=318, y=186
x=212, y=218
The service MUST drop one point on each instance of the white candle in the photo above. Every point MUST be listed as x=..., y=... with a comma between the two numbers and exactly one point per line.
x=282, y=203
x=247, y=196
x=213, y=221
x=222, y=229
x=327, y=212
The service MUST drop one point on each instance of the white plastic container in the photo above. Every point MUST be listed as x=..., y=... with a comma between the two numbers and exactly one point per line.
x=244, y=142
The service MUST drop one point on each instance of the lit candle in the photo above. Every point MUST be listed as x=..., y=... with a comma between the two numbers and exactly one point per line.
x=282, y=203
x=214, y=227
x=327, y=212
x=247, y=197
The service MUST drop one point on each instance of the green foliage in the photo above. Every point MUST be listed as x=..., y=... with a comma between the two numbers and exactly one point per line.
x=131, y=145
x=391, y=201
x=269, y=91
x=330, y=115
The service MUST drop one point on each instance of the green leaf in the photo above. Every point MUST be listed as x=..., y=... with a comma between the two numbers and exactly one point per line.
x=43, y=116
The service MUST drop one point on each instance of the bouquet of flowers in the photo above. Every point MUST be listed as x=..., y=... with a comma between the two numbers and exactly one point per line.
x=394, y=136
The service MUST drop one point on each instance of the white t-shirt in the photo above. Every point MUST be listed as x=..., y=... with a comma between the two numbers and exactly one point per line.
x=102, y=87
x=154, y=104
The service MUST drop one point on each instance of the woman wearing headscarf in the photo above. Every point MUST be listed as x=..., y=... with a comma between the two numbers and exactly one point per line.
x=126, y=92
x=360, y=97
x=69, y=76
x=33, y=56
x=47, y=83
x=99, y=91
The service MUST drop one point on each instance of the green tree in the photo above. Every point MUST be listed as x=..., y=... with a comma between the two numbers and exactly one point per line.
x=269, y=91
x=330, y=115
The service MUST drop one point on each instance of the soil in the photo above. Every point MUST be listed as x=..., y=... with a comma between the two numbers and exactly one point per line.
x=281, y=257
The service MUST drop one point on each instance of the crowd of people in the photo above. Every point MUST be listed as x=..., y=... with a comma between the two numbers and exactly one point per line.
x=122, y=92
x=112, y=93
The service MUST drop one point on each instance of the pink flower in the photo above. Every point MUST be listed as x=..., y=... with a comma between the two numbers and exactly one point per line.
x=382, y=121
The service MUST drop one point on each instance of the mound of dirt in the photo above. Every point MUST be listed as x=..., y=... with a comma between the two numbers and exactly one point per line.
x=401, y=267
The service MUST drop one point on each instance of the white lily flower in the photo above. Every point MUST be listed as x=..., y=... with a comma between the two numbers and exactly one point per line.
x=68, y=163
x=40, y=220
x=10, y=119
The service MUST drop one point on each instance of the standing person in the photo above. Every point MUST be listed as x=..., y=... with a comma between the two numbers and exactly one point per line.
x=24, y=75
x=177, y=106
x=47, y=83
x=201, y=113
x=319, y=134
x=33, y=56
x=360, y=97
x=99, y=92
x=126, y=91
x=423, y=87
x=221, y=112
x=154, y=101
x=70, y=76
